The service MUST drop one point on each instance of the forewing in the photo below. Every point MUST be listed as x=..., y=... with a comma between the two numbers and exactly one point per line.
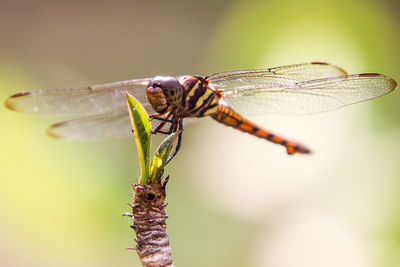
x=232, y=80
x=83, y=101
x=289, y=96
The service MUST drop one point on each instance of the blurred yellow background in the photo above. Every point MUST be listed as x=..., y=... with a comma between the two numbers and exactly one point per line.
x=234, y=200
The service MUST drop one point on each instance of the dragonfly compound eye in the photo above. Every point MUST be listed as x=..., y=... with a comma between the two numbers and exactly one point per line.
x=164, y=93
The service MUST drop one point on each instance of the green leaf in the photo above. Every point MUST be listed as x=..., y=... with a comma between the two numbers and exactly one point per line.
x=160, y=158
x=142, y=129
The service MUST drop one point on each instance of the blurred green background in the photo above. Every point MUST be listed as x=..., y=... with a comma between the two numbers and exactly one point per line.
x=234, y=200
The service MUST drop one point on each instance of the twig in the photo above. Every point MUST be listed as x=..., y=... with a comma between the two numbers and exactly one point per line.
x=148, y=214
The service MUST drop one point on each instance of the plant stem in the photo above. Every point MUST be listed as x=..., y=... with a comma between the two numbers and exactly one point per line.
x=148, y=214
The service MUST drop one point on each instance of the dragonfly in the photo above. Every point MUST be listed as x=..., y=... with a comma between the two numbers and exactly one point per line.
x=226, y=97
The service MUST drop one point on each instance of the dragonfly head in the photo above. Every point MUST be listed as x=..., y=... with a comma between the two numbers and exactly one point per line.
x=164, y=93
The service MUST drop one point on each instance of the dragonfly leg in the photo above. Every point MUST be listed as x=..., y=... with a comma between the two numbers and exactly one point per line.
x=155, y=115
x=162, y=119
x=172, y=127
x=178, y=145
x=163, y=122
x=158, y=116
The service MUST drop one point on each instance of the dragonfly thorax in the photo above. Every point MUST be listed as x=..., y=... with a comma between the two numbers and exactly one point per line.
x=164, y=93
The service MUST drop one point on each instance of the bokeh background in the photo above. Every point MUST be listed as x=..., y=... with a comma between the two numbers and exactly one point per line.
x=234, y=200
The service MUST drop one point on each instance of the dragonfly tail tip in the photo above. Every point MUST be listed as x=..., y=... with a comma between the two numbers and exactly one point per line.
x=297, y=149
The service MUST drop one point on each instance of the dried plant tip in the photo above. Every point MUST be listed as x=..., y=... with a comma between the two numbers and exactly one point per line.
x=149, y=216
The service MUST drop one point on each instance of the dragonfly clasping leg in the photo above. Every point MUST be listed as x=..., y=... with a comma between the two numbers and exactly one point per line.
x=172, y=128
x=163, y=122
x=178, y=145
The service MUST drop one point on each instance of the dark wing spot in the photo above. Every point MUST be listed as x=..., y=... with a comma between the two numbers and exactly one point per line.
x=319, y=63
x=11, y=101
x=368, y=74
x=21, y=94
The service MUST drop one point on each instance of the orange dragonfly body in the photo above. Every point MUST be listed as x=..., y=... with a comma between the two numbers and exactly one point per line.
x=294, y=89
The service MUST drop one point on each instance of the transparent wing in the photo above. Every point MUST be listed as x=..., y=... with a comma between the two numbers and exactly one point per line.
x=115, y=124
x=298, y=89
x=83, y=101
x=231, y=80
x=104, y=126
x=307, y=97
